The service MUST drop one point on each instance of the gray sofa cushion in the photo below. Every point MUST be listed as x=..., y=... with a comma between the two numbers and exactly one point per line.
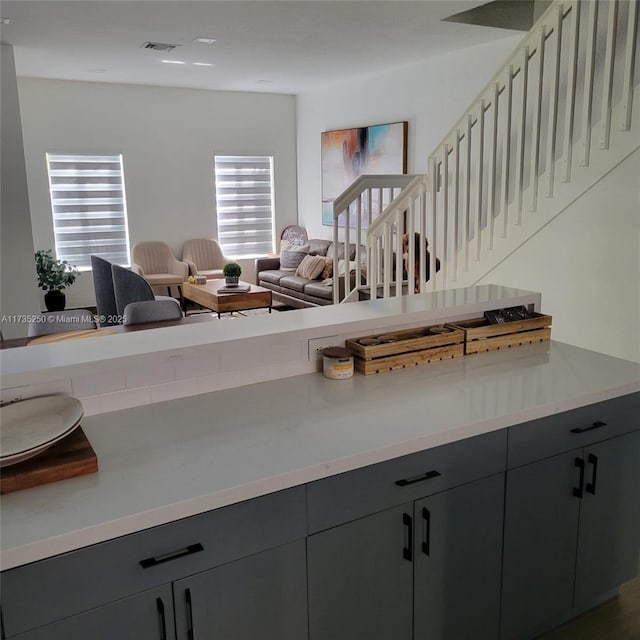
x=316, y=289
x=273, y=275
x=296, y=283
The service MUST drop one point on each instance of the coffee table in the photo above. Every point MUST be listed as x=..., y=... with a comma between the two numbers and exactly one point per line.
x=207, y=296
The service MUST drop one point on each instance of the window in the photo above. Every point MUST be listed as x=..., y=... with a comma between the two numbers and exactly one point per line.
x=244, y=202
x=89, y=208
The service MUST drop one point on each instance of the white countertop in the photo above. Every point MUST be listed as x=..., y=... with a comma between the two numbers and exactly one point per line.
x=26, y=365
x=170, y=460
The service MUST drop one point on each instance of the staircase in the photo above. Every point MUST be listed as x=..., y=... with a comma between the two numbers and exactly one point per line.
x=553, y=121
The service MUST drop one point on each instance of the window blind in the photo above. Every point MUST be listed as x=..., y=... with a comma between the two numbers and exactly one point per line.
x=89, y=208
x=244, y=203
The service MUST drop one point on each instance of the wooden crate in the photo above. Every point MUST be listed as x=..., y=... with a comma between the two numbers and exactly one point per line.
x=412, y=347
x=481, y=336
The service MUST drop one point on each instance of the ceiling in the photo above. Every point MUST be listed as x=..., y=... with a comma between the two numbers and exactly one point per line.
x=261, y=45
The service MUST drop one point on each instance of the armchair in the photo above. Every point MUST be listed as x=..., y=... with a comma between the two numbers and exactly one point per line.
x=103, y=288
x=129, y=287
x=204, y=257
x=151, y=311
x=61, y=322
x=155, y=262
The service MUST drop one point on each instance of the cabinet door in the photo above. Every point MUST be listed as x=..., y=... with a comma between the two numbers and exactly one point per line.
x=146, y=616
x=263, y=596
x=361, y=578
x=609, y=534
x=458, y=550
x=540, y=536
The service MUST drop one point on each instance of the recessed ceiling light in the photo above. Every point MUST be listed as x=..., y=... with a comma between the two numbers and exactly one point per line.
x=173, y=62
x=204, y=40
x=5, y=20
x=96, y=70
x=203, y=64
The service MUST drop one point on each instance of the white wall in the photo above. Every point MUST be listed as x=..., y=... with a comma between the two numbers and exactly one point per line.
x=431, y=96
x=586, y=263
x=18, y=269
x=168, y=138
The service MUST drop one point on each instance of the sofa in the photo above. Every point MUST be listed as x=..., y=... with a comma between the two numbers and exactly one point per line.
x=297, y=291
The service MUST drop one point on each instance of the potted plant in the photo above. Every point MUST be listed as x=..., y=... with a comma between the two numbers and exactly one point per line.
x=231, y=272
x=53, y=276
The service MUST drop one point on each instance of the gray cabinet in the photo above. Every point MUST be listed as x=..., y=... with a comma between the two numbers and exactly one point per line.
x=359, y=493
x=146, y=616
x=540, y=534
x=609, y=535
x=361, y=578
x=572, y=533
x=263, y=596
x=67, y=596
x=411, y=547
x=458, y=547
x=428, y=570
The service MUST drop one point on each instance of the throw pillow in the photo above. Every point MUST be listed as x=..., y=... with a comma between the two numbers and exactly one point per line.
x=327, y=272
x=292, y=257
x=310, y=267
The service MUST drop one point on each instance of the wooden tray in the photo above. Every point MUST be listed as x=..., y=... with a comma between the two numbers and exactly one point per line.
x=412, y=347
x=72, y=456
x=481, y=336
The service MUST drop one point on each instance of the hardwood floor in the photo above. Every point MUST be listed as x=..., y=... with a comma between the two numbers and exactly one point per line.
x=618, y=619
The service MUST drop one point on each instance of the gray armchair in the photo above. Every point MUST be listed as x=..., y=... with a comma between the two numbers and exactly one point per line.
x=130, y=287
x=103, y=288
x=60, y=322
x=151, y=311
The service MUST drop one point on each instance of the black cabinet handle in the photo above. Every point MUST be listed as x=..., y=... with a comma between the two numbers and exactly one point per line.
x=579, y=490
x=595, y=425
x=187, y=595
x=407, y=551
x=424, y=476
x=173, y=555
x=426, y=543
x=591, y=486
x=162, y=618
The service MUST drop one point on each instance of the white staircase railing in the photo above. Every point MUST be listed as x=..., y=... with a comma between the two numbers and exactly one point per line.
x=532, y=127
x=360, y=204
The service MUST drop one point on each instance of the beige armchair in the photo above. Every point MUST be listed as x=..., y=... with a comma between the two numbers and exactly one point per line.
x=155, y=262
x=205, y=257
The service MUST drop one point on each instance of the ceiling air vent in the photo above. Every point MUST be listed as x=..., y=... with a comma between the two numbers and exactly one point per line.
x=159, y=46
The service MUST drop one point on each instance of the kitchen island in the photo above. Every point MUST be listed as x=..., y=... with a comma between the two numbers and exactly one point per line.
x=287, y=474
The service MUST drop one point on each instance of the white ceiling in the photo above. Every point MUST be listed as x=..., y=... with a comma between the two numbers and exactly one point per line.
x=261, y=45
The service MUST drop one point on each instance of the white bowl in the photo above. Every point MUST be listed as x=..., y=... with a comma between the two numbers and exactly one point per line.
x=31, y=426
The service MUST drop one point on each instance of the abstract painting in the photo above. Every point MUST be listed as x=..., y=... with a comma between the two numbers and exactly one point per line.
x=349, y=153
